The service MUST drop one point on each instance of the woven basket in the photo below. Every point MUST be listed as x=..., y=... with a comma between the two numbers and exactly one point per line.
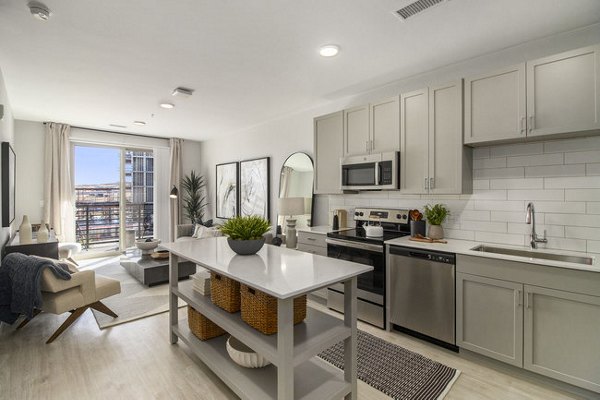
x=225, y=292
x=259, y=310
x=201, y=326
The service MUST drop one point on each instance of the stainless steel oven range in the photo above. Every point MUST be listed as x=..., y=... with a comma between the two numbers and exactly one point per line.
x=355, y=245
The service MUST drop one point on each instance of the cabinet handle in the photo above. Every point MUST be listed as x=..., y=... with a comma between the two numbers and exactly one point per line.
x=431, y=183
x=531, y=123
x=528, y=300
x=523, y=123
x=426, y=184
x=372, y=145
x=518, y=299
x=309, y=238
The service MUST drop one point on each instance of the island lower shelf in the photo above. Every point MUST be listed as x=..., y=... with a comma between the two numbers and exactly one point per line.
x=318, y=332
x=313, y=379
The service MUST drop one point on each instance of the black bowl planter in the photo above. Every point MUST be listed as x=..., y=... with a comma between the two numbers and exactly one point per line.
x=246, y=247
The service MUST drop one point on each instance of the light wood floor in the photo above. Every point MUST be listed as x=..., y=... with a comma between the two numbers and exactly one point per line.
x=136, y=361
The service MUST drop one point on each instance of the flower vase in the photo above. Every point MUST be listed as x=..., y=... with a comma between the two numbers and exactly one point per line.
x=436, y=232
x=25, y=235
x=42, y=234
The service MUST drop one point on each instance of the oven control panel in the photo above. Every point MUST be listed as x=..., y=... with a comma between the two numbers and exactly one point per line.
x=381, y=215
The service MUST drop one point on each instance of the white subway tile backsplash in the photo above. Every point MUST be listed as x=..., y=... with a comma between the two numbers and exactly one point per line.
x=525, y=229
x=484, y=226
x=582, y=195
x=517, y=149
x=459, y=234
x=481, y=152
x=499, y=205
x=473, y=215
x=569, y=145
x=573, y=219
x=593, y=208
x=592, y=169
x=560, y=207
x=531, y=195
x=481, y=184
x=555, y=170
x=512, y=216
x=592, y=156
x=593, y=246
x=533, y=160
x=537, y=183
x=564, y=244
x=580, y=182
x=488, y=173
x=582, y=232
x=488, y=195
x=489, y=163
x=501, y=238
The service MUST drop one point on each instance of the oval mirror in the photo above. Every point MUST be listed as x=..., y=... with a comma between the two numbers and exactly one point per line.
x=295, y=183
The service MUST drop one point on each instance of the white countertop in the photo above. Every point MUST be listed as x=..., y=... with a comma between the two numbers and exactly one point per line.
x=278, y=271
x=321, y=229
x=464, y=247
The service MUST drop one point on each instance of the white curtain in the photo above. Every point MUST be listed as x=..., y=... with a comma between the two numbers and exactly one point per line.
x=162, y=203
x=59, y=209
x=175, y=178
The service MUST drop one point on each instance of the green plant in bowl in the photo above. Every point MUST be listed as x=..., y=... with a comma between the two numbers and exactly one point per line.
x=245, y=234
x=436, y=214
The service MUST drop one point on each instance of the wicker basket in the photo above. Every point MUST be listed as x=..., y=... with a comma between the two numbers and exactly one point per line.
x=201, y=326
x=259, y=310
x=225, y=292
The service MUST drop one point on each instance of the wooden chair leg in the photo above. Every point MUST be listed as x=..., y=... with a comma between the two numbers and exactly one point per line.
x=100, y=306
x=72, y=318
x=26, y=320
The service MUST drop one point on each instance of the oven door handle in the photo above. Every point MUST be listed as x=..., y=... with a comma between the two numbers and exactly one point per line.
x=355, y=245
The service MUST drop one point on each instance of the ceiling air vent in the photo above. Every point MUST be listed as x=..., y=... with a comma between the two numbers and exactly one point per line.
x=414, y=8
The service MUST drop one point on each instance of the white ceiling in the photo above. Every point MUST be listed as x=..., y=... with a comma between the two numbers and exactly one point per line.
x=105, y=62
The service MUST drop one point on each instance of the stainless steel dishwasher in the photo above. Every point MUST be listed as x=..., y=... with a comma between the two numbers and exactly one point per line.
x=422, y=294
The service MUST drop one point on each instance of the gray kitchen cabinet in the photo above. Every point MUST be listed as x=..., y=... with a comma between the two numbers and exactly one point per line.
x=356, y=131
x=495, y=105
x=489, y=317
x=314, y=243
x=328, y=142
x=549, y=96
x=563, y=92
x=433, y=158
x=561, y=338
x=372, y=128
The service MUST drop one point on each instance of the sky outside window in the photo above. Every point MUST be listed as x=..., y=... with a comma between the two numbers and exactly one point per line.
x=96, y=165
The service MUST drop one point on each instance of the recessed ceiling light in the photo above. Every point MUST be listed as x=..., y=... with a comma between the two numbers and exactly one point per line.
x=39, y=10
x=139, y=123
x=329, y=50
x=168, y=106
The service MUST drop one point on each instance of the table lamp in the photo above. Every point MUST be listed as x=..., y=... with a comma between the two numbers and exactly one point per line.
x=291, y=206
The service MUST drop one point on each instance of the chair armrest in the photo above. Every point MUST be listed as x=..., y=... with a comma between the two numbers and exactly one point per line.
x=85, y=280
x=185, y=230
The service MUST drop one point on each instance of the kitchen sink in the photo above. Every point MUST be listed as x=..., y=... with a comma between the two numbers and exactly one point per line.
x=534, y=254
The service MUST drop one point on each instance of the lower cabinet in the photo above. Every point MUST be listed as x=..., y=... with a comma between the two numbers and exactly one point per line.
x=314, y=243
x=562, y=336
x=551, y=332
x=489, y=316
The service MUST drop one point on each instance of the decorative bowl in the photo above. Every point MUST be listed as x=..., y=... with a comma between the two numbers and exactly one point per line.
x=246, y=247
x=147, y=247
x=243, y=355
x=160, y=254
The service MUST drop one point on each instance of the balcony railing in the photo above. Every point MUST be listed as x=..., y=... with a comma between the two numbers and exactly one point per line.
x=97, y=224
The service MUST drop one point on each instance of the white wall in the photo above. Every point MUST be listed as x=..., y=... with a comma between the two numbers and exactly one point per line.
x=293, y=133
x=6, y=135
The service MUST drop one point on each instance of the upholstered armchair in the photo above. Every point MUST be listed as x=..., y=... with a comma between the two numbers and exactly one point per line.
x=84, y=290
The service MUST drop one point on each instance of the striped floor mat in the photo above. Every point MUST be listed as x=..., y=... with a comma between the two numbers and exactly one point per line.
x=395, y=371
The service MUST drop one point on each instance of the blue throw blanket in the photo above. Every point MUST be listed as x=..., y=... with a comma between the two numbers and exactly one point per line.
x=21, y=284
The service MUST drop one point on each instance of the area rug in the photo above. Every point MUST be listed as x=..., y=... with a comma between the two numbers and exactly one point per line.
x=135, y=300
x=395, y=371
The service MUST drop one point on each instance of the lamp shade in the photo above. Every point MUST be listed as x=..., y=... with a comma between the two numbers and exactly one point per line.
x=291, y=206
x=174, y=192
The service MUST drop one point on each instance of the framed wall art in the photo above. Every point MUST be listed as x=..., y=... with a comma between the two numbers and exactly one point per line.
x=255, y=187
x=227, y=180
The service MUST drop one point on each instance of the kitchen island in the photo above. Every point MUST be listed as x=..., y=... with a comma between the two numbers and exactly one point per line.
x=296, y=371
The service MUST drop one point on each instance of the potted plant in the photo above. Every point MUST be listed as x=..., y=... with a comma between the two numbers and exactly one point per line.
x=245, y=234
x=194, y=198
x=436, y=214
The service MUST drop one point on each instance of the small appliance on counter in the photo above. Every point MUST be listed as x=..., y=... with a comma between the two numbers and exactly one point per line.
x=358, y=246
x=339, y=219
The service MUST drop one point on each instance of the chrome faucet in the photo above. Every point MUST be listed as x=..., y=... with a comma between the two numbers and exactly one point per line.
x=530, y=219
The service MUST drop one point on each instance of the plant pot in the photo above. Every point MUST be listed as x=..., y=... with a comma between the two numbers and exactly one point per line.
x=436, y=232
x=246, y=247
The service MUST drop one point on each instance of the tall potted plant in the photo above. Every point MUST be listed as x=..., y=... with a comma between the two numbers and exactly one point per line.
x=436, y=214
x=194, y=197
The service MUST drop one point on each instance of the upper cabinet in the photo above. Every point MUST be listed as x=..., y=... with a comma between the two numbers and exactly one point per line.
x=328, y=140
x=563, y=92
x=433, y=159
x=552, y=95
x=495, y=106
x=372, y=128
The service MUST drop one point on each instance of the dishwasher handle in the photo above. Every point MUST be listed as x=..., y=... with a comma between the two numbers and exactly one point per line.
x=436, y=256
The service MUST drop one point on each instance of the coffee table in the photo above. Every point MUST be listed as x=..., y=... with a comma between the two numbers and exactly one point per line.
x=150, y=271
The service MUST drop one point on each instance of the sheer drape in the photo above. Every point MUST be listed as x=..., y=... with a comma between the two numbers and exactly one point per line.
x=59, y=209
x=174, y=180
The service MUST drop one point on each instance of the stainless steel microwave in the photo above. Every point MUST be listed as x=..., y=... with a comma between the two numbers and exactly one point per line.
x=371, y=171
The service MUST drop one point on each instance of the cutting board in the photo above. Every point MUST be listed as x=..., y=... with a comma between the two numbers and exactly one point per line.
x=427, y=240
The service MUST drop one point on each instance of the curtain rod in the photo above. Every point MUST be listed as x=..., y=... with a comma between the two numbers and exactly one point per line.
x=118, y=133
